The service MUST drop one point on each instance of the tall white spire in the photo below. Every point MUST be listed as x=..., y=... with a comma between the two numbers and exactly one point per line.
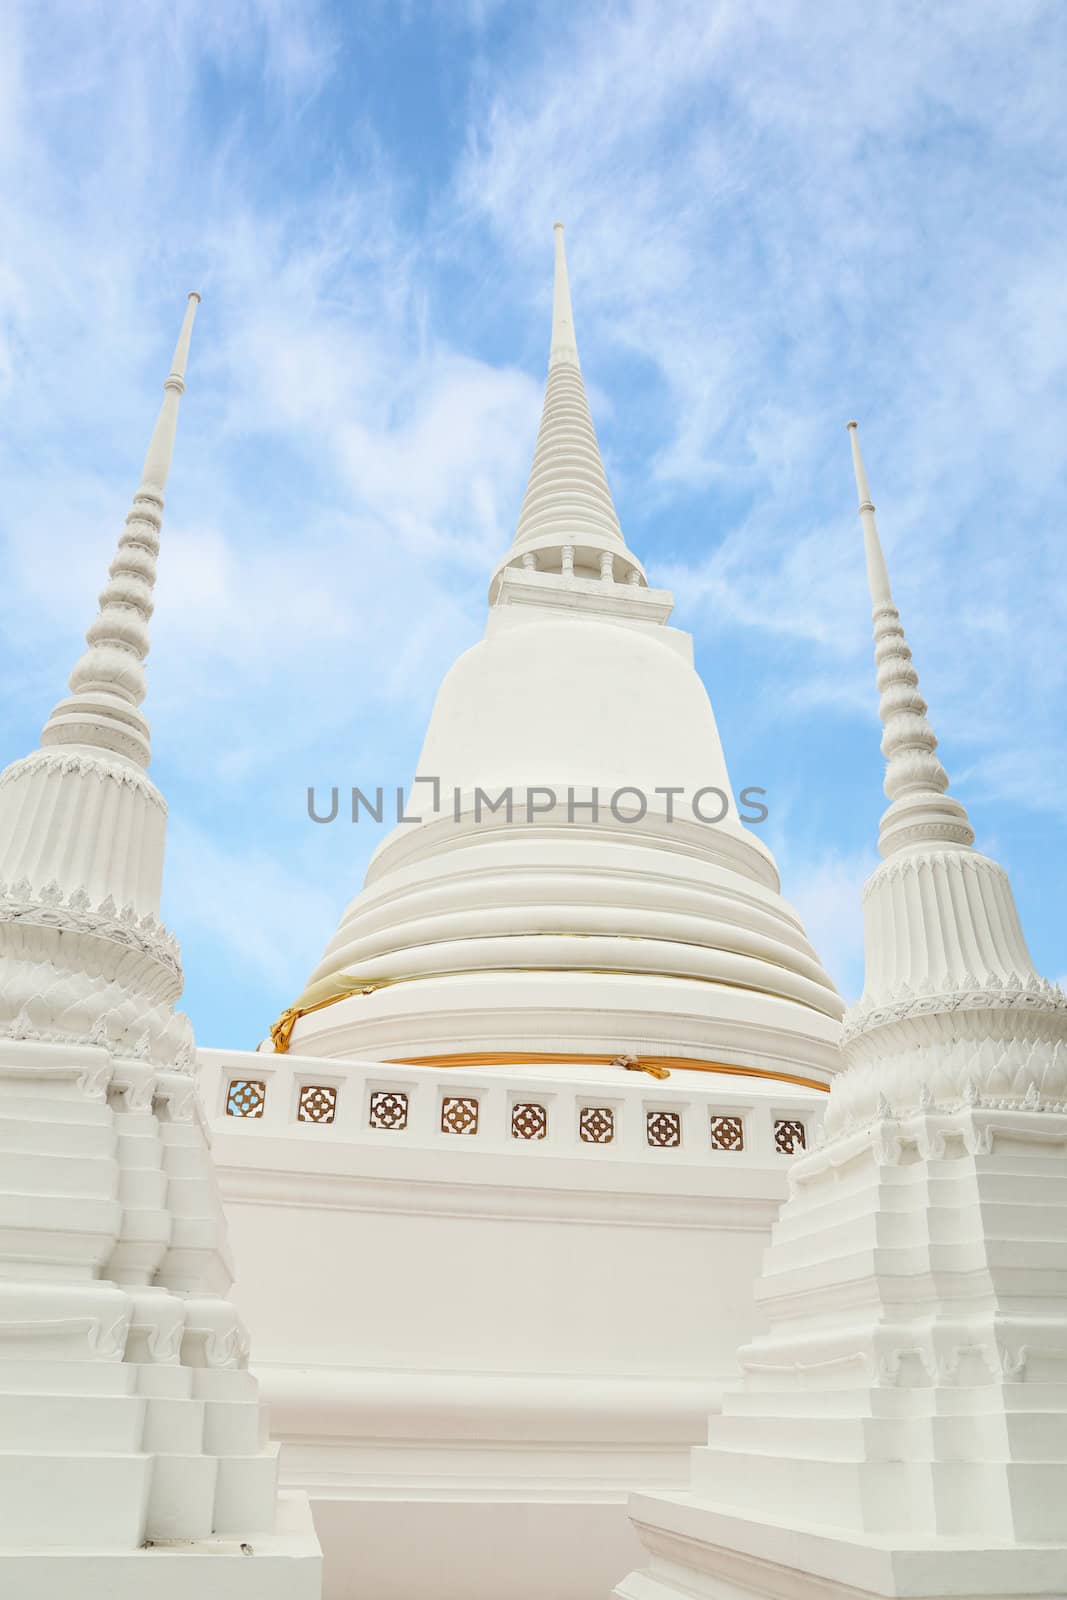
x=564, y=349
x=108, y=682
x=568, y=504
x=920, y=812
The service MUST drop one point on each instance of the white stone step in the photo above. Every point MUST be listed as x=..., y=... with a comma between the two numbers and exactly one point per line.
x=234, y=1428
x=37, y=1134
x=181, y=1498
x=190, y=1198
x=183, y=1161
x=174, y=1427
x=79, y=1423
x=57, y=1221
x=27, y=1172
x=884, y=1495
x=90, y=1500
x=224, y=1383
x=167, y=1379
x=67, y=1378
x=143, y=1187
x=245, y=1493
x=283, y=1565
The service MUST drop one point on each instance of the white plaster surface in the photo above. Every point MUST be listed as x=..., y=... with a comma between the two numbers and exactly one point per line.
x=486, y=1339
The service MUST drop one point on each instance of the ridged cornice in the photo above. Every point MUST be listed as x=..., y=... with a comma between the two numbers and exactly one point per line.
x=1035, y=994
x=84, y=764
x=74, y=914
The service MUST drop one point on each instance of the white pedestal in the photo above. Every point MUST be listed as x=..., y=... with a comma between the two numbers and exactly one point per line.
x=283, y=1565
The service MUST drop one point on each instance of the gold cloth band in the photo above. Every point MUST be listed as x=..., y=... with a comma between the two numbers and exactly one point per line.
x=658, y=1066
x=329, y=991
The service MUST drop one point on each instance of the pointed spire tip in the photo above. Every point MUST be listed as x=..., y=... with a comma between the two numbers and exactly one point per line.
x=915, y=780
x=107, y=683
x=563, y=350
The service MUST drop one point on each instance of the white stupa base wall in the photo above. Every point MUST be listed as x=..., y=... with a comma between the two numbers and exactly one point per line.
x=452, y=1550
x=902, y=1427
x=284, y=1564
x=128, y=1419
x=474, y=1345
x=452, y=1484
x=696, y=1551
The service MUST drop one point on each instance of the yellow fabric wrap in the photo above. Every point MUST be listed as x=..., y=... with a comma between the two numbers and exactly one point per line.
x=326, y=992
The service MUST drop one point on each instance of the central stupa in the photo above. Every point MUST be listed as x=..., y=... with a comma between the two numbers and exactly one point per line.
x=579, y=886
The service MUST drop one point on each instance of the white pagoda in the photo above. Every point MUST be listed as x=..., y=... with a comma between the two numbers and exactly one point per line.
x=500, y=1181
x=500, y=1184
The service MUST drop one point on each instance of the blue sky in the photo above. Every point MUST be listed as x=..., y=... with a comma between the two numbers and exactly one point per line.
x=780, y=215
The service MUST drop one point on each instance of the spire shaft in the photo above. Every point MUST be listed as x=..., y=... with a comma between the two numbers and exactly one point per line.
x=161, y=447
x=564, y=349
x=920, y=813
x=877, y=574
x=108, y=681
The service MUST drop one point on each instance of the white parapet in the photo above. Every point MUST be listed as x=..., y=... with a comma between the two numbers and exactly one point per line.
x=484, y=1301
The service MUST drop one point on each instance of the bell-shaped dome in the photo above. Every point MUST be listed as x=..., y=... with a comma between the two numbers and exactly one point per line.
x=556, y=699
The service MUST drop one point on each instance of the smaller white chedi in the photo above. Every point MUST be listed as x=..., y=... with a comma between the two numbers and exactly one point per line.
x=902, y=1424
x=133, y=1449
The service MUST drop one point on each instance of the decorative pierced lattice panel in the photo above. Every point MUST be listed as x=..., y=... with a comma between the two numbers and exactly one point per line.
x=459, y=1114
x=789, y=1136
x=596, y=1124
x=318, y=1103
x=727, y=1133
x=388, y=1109
x=664, y=1128
x=529, y=1121
x=246, y=1098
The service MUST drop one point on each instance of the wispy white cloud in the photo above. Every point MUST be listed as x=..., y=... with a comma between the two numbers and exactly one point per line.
x=826, y=889
x=266, y=914
x=760, y=245
x=785, y=248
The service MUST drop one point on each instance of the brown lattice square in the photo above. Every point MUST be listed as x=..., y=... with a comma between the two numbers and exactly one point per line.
x=528, y=1121
x=389, y=1109
x=459, y=1114
x=246, y=1098
x=318, y=1103
x=596, y=1124
x=727, y=1133
x=789, y=1136
x=664, y=1128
